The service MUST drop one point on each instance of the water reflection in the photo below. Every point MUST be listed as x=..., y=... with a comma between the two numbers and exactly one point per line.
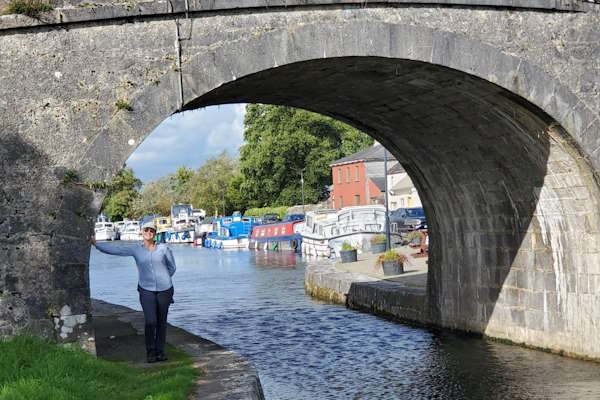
x=254, y=302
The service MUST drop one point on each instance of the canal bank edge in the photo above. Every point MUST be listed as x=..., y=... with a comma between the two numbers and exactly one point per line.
x=228, y=375
x=391, y=301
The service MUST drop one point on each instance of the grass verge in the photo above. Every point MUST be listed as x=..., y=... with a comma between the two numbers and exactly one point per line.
x=32, y=368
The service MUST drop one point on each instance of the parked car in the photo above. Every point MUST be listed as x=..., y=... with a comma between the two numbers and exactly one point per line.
x=270, y=218
x=408, y=219
x=293, y=217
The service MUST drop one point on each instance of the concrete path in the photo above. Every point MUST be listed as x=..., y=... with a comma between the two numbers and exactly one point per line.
x=120, y=333
x=415, y=269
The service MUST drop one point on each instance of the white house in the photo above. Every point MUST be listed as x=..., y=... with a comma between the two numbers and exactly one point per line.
x=401, y=191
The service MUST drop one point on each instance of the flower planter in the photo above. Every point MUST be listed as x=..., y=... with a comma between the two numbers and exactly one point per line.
x=392, y=268
x=348, y=256
x=378, y=248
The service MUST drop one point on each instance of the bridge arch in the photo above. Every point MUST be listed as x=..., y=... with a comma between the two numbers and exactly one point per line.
x=502, y=153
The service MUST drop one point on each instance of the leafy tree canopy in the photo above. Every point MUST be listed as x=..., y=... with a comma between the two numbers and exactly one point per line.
x=121, y=195
x=216, y=180
x=283, y=141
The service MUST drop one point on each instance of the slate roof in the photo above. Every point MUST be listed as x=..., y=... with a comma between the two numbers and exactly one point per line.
x=396, y=169
x=379, y=181
x=373, y=153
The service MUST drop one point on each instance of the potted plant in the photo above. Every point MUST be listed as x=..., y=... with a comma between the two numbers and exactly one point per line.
x=348, y=253
x=414, y=239
x=378, y=244
x=392, y=263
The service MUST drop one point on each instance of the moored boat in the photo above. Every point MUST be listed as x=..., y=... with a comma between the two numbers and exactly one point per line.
x=231, y=232
x=104, y=231
x=131, y=231
x=324, y=232
x=278, y=236
x=183, y=223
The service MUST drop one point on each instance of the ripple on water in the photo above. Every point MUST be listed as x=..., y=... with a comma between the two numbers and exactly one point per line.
x=255, y=304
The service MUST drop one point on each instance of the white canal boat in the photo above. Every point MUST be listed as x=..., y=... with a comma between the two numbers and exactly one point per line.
x=183, y=224
x=131, y=231
x=104, y=231
x=324, y=232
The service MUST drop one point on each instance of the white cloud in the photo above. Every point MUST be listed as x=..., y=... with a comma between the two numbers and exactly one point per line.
x=189, y=139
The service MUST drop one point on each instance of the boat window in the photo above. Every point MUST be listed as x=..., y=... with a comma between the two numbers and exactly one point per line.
x=99, y=225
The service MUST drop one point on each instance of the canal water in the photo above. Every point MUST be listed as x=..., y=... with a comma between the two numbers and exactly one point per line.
x=254, y=303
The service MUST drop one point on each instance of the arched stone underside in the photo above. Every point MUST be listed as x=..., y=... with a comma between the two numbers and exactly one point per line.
x=498, y=128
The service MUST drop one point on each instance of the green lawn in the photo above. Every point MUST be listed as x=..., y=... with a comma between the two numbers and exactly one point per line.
x=31, y=368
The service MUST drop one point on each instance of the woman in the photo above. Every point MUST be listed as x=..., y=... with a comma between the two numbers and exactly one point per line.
x=155, y=266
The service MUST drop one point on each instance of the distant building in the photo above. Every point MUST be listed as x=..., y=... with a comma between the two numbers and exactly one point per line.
x=401, y=191
x=358, y=179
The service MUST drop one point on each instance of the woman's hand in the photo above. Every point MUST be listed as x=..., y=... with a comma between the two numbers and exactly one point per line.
x=93, y=240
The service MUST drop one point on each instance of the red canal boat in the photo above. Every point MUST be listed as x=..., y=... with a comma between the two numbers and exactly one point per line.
x=279, y=235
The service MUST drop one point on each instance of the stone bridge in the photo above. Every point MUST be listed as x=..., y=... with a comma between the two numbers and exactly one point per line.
x=492, y=106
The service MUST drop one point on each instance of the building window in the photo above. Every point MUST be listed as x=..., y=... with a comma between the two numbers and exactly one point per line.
x=357, y=199
x=340, y=202
x=347, y=174
x=339, y=175
x=356, y=174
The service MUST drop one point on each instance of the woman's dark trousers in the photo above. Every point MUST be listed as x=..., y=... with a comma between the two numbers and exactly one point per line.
x=156, y=307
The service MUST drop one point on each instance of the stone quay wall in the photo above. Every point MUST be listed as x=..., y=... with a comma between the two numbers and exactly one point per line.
x=390, y=300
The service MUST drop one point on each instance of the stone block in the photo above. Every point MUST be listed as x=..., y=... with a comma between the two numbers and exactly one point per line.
x=511, y=297
x=78, y=299
x=533, y=300
x=534, y=319
x=582, y=284
x=544, y=260
x=517, y=317
x=70, y=276
x=525, y=279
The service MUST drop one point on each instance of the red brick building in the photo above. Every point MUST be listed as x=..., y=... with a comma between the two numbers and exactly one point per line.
x=358, y=179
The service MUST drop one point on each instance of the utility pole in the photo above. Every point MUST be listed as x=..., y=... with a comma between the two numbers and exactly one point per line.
x=223, y=203
x=387, y=211
x=302, y=182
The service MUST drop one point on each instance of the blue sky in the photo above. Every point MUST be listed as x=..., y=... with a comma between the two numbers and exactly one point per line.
x=189, y=139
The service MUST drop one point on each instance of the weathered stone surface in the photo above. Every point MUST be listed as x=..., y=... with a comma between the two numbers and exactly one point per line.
x=498, y=127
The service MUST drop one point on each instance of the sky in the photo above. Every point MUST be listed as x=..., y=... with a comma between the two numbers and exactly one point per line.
x=188, y=139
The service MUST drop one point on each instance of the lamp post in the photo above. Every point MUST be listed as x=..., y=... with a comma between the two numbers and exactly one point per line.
x=302, y=182
x=387, y=216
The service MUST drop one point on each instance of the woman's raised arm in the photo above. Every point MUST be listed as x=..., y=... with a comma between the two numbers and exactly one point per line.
x=114, y=249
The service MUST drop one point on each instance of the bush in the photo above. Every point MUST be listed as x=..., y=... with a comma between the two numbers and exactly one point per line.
x=413, y=235
x=347, y=246
x=391, y=255
x=259, y=212
x=378, y=239
x=31, y=8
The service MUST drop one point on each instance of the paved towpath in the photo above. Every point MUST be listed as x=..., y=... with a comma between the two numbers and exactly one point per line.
x=227, y=375
x=415, y=269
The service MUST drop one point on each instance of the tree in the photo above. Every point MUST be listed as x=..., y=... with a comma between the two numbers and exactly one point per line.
x=281, y=142
x=179, y=184
x=211, y=184
x=121, y=195
x=154, y=198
